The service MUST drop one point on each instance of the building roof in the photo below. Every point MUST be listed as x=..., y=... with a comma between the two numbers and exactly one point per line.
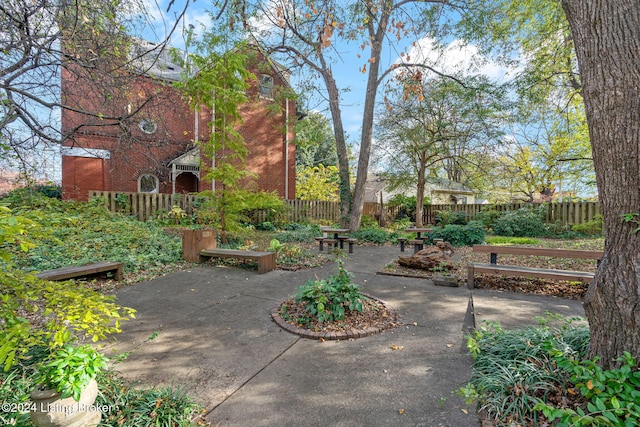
x=156, y=60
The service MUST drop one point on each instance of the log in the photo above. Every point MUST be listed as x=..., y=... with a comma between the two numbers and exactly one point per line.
x=435, y=258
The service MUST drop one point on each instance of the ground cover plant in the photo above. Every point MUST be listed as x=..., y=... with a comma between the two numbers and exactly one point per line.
x=129, y=406
x=40, y=319
x=538, y=376
x=76, y=233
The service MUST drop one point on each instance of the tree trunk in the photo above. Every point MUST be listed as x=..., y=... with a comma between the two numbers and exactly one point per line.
x=341, y=145
x=420, y=190
x=376, y=37
x=606, y=35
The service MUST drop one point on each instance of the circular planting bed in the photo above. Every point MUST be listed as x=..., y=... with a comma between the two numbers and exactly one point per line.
x=376, y=316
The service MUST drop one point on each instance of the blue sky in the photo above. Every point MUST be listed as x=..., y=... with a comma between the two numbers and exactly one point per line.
x=346, y=69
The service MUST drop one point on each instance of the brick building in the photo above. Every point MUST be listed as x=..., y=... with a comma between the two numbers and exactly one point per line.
x=155, y=149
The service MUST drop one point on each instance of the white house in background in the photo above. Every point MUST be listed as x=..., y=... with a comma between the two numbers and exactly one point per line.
x=440, y=191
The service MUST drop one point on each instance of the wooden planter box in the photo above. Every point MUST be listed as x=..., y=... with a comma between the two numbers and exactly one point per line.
x=450, y=281
x=194, y=241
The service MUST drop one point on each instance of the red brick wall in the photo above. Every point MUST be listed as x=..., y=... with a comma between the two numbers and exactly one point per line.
x=134, y=153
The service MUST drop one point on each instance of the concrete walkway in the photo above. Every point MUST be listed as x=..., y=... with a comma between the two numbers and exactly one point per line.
x=208, y=331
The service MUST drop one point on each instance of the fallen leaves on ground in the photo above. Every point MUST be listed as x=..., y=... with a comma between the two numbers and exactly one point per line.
x=465, y=255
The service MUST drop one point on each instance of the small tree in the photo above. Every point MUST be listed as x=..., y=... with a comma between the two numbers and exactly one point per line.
x=430, y=124
x=318, y=183
x=220, y=81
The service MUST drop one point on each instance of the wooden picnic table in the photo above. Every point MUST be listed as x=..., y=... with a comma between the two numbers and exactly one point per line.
x=336, y=231
x=418, y=231
x=337, y=238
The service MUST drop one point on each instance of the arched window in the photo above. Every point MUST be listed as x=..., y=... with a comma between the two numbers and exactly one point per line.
x=148, y=126
x=148, y=183
x=266, y=86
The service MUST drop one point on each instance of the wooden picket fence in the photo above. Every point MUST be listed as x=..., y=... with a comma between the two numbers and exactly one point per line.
x=148, y=205
x=559, y=214
x=144, y=205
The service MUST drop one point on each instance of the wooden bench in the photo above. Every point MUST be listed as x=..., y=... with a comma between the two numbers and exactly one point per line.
x=94, y=269
x=517, y=271
x=351, y=242
x=320, y=241
x=402, y=241
x=418, y=245
x=266, y=260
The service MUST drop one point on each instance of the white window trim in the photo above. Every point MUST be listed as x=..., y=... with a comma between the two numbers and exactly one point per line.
x=262, y=94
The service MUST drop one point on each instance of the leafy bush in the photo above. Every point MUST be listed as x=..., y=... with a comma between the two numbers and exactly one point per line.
x=451, y=217
x=406, y=205
x=36, y=312
x=128, y=406
x=49, y=190
x=401, y=224
x=459, y=235
x=488, y=217
x=69, y=369
x=328, y=300
x=368, y=221
x=76, y=233
x=265, y=226
x=590, y=228
x=538, y=376
x=513, y=370
x=524, y=222
x=611, y=395
x=300, y=234
x=293, y=226
x=375, y=235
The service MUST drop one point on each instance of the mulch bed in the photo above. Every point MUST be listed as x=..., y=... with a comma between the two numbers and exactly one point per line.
x=465, y=255
x=375, y=317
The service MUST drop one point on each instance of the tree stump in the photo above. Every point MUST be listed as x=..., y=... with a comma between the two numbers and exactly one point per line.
x=435, y=258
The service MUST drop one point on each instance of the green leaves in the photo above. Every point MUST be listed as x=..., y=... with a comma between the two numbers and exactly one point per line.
x=328, y=300
x=65, y=311
x=521, y=375
x=69, y=369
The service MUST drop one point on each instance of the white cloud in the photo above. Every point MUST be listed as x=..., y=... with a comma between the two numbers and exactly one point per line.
x=457, y=57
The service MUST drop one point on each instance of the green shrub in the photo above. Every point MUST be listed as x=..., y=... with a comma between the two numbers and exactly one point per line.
x=128, y=406
x=524, y=222
x=612, y=396
x=266, y=226
x=68, y=370
x=36, y=313
x=513, y=369
x=590, y=228
x=524, y=376
x=328, y=300
x=49, y=190
x=488, y=217
x=459, y=235
x=406, y=206
x=375, y=235
x=299, y=234
x=293, y=226
x=368, y=221
x=451, y=217
x=401, y=224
